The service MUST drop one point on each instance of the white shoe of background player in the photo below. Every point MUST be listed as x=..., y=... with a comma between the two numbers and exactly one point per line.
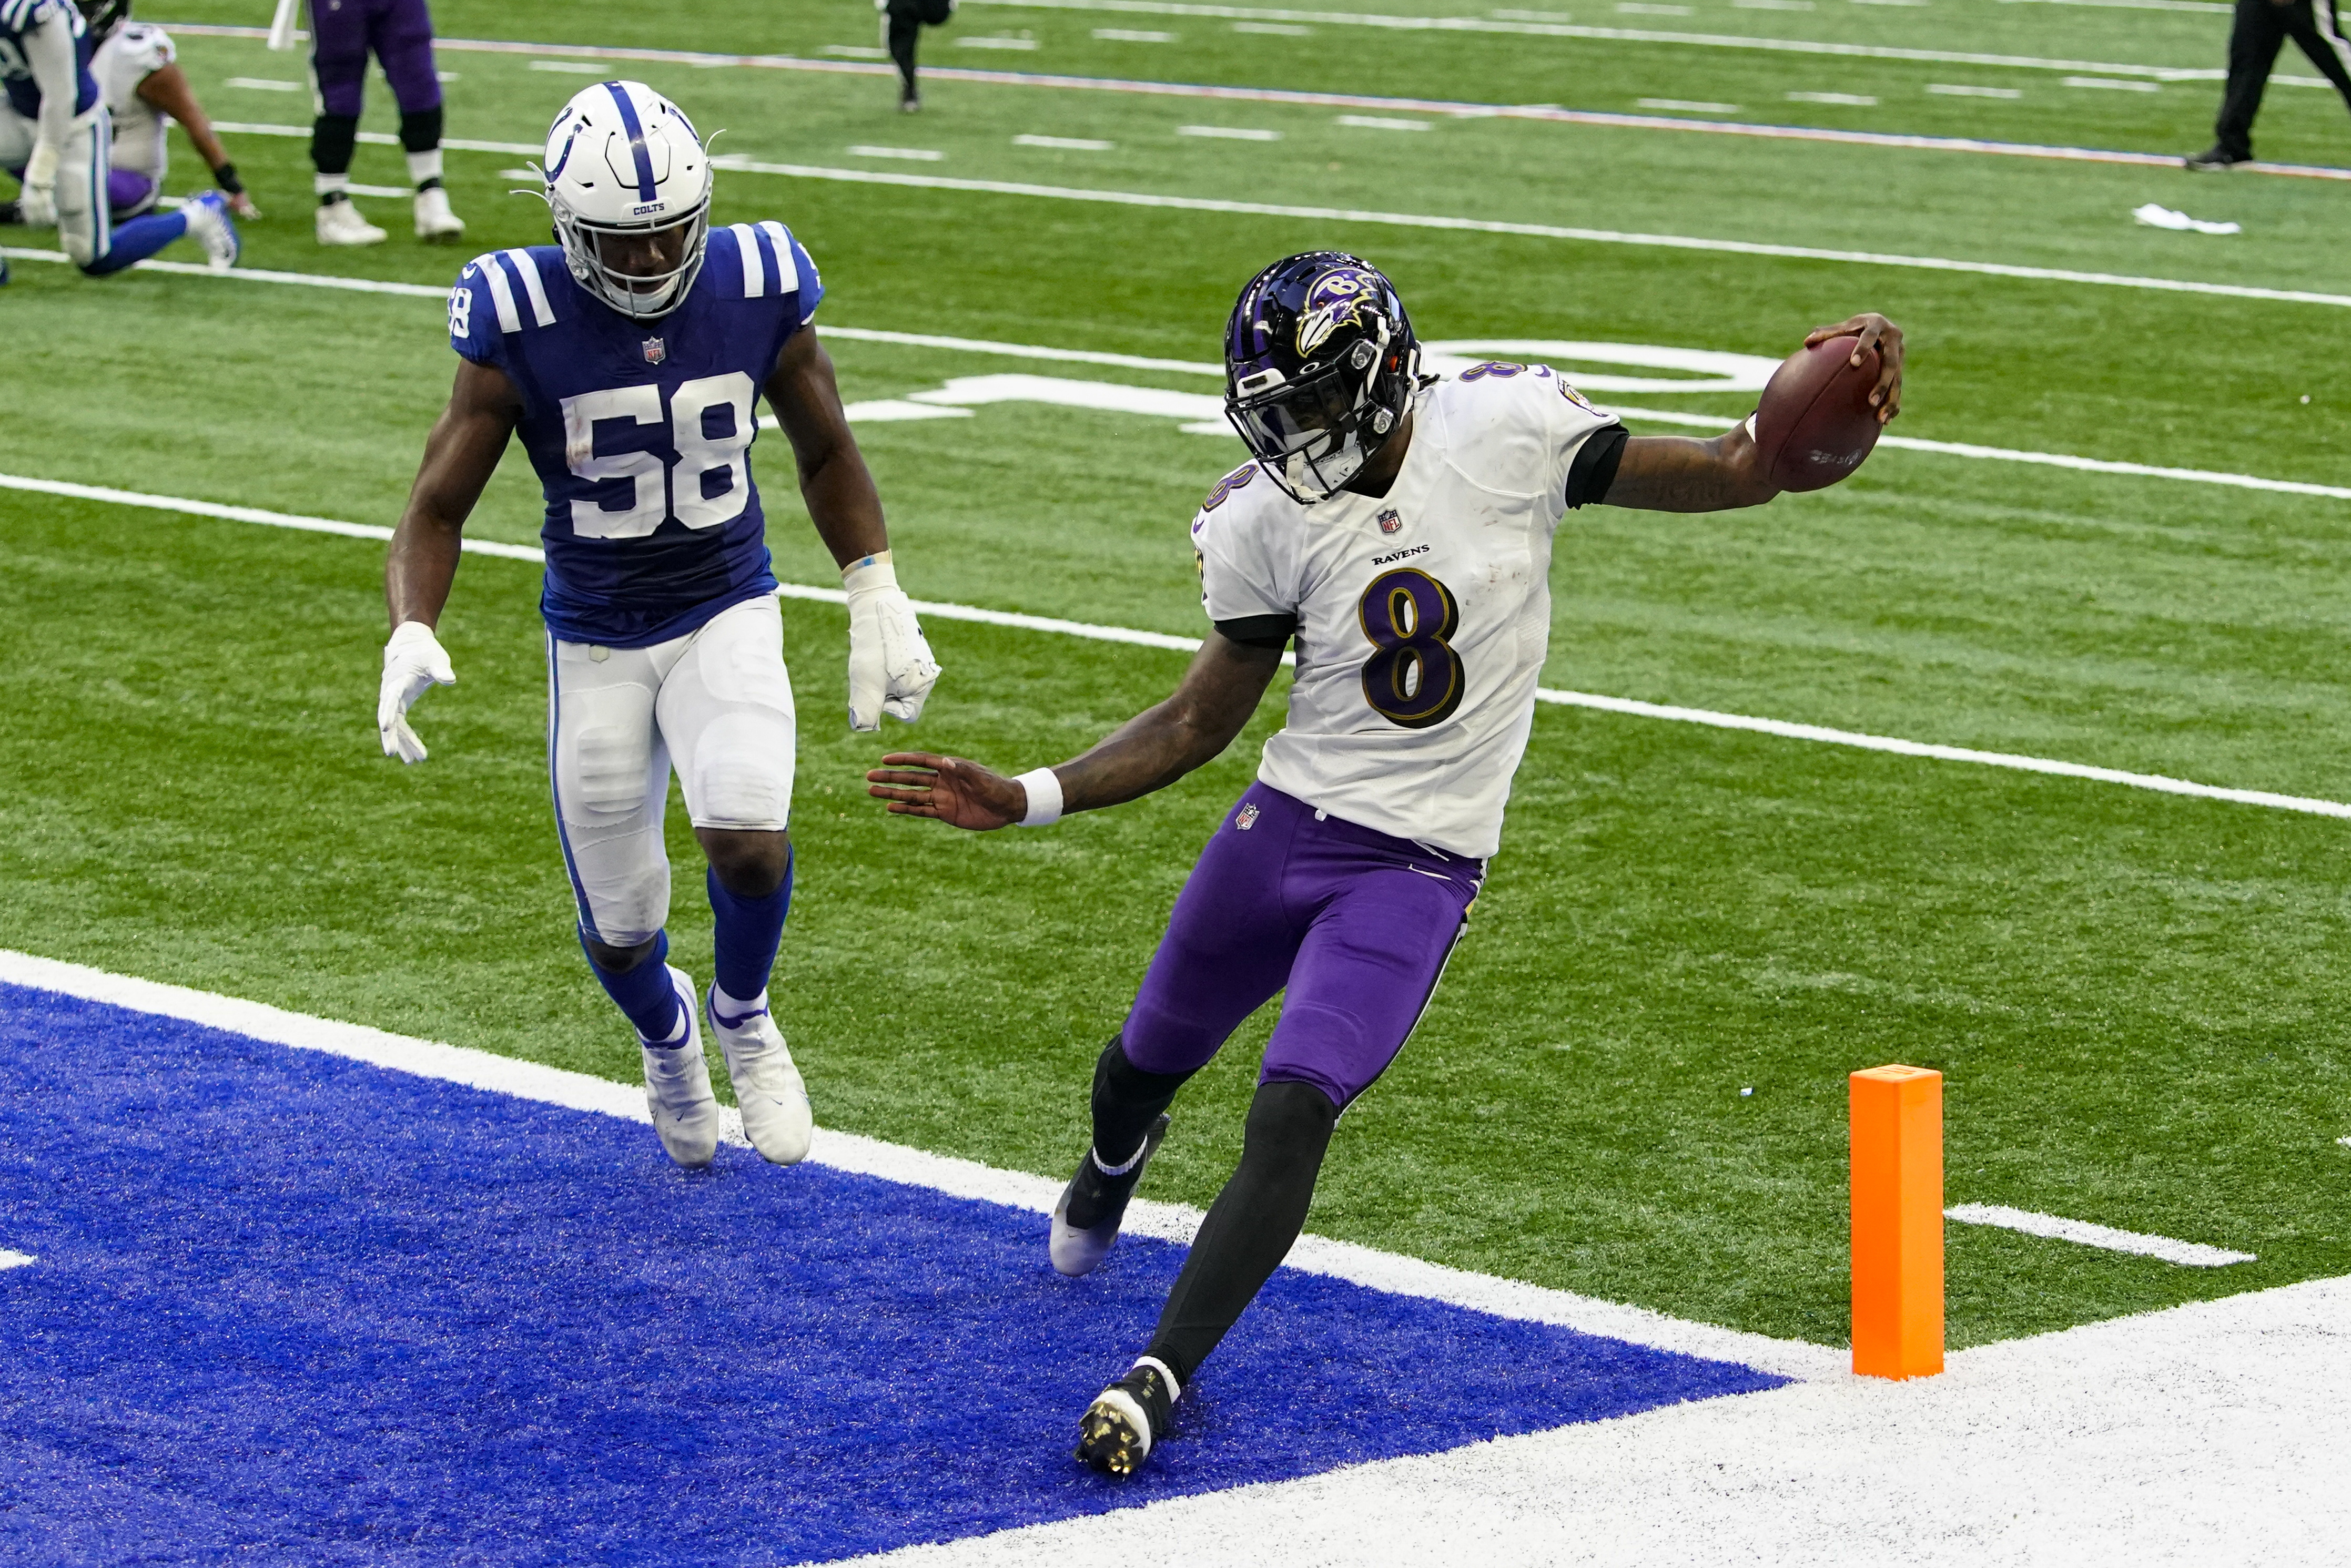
x=677, y=1088
x=209, y=225
x=434, y=218
x=340, y=224
x=767, y=1087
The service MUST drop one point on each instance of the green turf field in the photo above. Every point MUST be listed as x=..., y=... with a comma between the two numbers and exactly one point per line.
x=2135, y=996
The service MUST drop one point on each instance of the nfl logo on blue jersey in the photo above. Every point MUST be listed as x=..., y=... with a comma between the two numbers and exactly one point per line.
x=656, y=352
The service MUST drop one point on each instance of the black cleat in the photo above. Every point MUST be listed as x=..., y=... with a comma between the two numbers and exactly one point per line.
x=1086, y=1221
x=2216, y=161
x=1115, y=1433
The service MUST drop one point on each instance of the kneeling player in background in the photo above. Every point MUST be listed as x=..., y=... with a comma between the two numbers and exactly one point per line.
x=56, y=136
x=138, y=69
x=1400, y=528
x=629, y=358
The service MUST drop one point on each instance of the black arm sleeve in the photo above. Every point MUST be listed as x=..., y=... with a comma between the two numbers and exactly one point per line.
x=1273, y=632
x=1595, y=468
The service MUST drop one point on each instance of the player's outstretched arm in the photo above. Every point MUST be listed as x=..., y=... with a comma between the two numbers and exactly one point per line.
x=889, y=665
x=1149, y=751
x=460, y=455
x=1678, y=474
x=168, y=91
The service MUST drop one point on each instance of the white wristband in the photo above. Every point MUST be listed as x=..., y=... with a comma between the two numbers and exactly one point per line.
x=1044, y=787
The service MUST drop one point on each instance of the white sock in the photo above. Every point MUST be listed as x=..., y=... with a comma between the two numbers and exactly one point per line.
x=331, y=184
x=733, y=1009
x=424, y=166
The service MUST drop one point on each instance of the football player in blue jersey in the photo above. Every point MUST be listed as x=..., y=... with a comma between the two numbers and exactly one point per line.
x=629, y=358
x=55, y=136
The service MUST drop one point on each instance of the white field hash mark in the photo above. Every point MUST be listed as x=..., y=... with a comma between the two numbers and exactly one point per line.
x=10, y=1260
x=1393, y=1272
x=1628, y=707
x=2187, y=1254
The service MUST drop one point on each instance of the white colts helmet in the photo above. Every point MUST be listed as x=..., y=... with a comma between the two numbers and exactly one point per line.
x=622, y=162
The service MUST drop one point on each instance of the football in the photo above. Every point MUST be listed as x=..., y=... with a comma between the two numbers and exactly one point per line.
x=1814, y=425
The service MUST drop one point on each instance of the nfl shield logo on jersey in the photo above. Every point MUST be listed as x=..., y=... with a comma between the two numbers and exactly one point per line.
x=1389, y=521
x=1248, y=818
x=656, y=352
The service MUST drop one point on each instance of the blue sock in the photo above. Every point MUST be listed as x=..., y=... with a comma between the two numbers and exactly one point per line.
x=139, y=239
x=748, y=930
x=645, y=994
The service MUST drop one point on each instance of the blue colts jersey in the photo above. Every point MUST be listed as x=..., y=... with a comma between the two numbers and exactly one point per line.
x=642, y=431
x=18, y=17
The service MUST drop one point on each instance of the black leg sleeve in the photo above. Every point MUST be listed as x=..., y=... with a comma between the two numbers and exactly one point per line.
x=420, y=129
x=905, y=29
x=1127, y=1100
x=2254, y=38
x=332, y=137
x=2318, y=28
x=1251, y=1226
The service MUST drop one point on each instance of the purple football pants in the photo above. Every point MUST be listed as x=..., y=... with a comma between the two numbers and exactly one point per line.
x=1357, y=927
x=398, y=33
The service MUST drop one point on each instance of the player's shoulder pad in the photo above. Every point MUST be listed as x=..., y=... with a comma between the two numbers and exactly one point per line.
x=1239, y=509
x=758, y=261
x=146, y=45
x=1498, y=387
x=505, y=292
x=18, y=15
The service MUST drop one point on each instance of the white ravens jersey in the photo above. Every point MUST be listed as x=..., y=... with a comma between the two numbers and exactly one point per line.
x=130, y=55
x=1422, y=616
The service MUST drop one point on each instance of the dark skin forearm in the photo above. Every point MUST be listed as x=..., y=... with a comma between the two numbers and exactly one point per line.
x=1677, y=474
x=835, y=484
x=1148, y=752
x=460, y=455
x=168, y=91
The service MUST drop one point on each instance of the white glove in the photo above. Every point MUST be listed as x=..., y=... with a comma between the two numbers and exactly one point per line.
x=414, y=663
x=37, y=205
x=890, y=667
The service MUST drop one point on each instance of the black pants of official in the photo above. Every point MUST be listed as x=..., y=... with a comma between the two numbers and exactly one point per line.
x=2260, y=30
x=906, y=19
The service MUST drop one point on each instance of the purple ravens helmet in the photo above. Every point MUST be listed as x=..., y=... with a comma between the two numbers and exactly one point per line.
x=1321, y=367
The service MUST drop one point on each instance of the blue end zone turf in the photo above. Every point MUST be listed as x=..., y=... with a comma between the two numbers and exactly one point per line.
x=293, y=1307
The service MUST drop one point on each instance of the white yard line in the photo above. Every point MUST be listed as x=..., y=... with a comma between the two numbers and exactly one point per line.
x=1536, y=112
x=1631, y=708
x=1388, y=1272
x=1401, y=220
x=2187, y=1254
x=11, y=1259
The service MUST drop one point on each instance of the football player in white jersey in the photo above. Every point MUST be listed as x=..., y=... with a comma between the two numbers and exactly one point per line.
x=629, y=358
x=1399, y=527
x=138, y=72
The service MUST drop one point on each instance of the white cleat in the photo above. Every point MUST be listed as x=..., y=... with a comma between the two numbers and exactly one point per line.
x=434, y=220
x=677, y=1088
x=340, y=224
x=210, y=226
x=767, y=1087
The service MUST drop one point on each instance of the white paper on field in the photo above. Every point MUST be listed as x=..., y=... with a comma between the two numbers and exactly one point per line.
x=2162, y=217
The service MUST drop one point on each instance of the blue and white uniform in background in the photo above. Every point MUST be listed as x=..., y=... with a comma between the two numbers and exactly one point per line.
x=664, y=639
x=55, y=136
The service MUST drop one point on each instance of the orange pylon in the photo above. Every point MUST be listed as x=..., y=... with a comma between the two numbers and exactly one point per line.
x=1898, y=1221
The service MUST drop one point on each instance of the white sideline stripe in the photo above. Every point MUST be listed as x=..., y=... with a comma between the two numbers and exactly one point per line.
x=1536, y=112
x=1331, y=18
x=1391, y=1272
x=1629, y=707
x=11, y=1259
x=1391, y=220
x=2187, y=1254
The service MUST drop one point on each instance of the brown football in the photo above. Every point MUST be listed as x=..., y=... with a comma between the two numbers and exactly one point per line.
x=1814, y=425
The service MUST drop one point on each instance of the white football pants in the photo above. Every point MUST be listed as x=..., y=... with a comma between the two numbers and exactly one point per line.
x=85, y=229
x=717, y=702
